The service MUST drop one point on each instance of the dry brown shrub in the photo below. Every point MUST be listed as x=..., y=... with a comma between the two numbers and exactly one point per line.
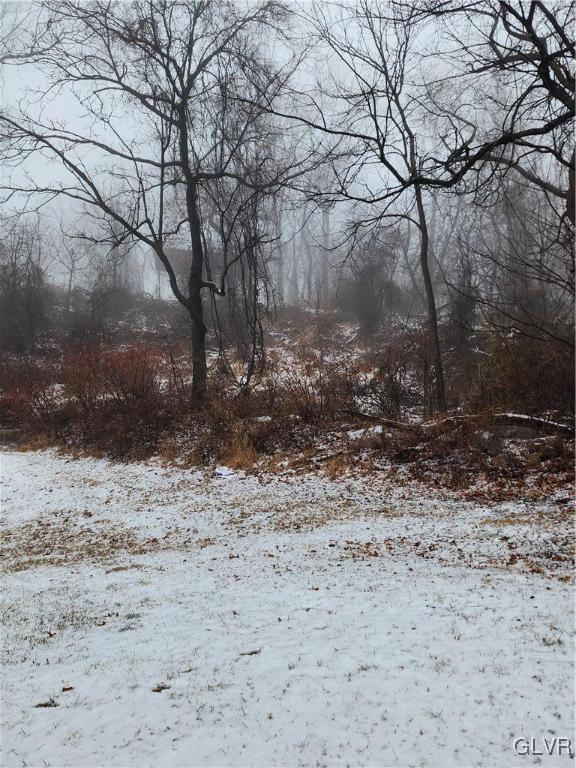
x=91, y=374
x=169, y=449
x=38, y=442
x=131, y=375
x=30, y=398
x=390, y=386
x=524, y=375
x=81, y=376
x=239, y=454
x=318, y=392
x=337, y=466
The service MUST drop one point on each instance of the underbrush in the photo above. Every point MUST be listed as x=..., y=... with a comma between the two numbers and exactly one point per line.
x=526, y=375
x=133, y=402
x=116, y=402
x=473, y=455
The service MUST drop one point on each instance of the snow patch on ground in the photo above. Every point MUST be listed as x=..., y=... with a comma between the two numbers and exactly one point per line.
x=174, y=617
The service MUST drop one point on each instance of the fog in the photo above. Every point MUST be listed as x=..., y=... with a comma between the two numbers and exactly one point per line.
x=287, y=382
x=337, y=126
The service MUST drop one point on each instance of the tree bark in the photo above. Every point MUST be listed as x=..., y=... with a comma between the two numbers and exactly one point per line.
x=294, y=282
x=571, y=198
x=70, y=282
x=431, y=302
x=324, y=287
x=279, y=253
x=199, y=367
x=195, y=309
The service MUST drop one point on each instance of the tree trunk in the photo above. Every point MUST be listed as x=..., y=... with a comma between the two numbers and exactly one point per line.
x=281, y=289
x=308, y=272
x=70, y=281
x=199, y=368
x=195, y=309
x=431, y=302
x=279, y=253
x=571, y=198
x=324, y=287
x=294, y=282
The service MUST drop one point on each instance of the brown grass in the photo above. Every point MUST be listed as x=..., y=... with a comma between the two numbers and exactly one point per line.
x=336, y=466
x=240, y=453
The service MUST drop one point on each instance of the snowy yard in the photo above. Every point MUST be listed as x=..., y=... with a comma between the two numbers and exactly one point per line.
x=164, y=617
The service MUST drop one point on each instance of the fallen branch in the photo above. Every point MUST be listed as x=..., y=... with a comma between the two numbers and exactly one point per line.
x=498, y=419
x=386, y=422
x=508, y=420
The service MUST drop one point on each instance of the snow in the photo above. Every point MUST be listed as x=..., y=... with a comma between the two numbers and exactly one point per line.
x=531, y=419
x=354, y=434
x=221, y=471
x=180, y=617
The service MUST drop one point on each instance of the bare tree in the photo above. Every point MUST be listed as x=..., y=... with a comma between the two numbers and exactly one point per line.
x=23, y=283
x=522, y=271
x=368, y=278
x=516, y=60
x=155, y=81
x=71, y=254
x=375, y=118
x=402, y=107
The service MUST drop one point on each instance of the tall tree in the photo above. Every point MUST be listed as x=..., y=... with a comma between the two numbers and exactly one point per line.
x=371, y=118
x=405, y=96
x=157, y=84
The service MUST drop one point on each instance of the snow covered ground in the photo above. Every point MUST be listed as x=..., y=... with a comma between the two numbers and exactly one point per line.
x=164, y=617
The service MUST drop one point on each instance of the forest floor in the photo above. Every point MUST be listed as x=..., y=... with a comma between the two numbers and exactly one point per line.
x=163, y=616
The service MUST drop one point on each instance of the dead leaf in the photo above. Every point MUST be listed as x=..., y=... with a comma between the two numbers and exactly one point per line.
x=50, y=703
